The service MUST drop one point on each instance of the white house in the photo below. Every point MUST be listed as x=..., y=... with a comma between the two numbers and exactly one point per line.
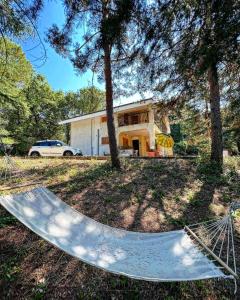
x=136, y=127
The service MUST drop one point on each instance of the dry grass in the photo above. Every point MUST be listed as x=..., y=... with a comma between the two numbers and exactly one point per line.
x=148, y=196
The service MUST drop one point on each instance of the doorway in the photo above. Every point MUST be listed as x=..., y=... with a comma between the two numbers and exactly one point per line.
x=135, y=144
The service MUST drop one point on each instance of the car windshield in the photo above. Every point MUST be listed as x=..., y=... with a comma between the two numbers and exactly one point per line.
x=64, y=144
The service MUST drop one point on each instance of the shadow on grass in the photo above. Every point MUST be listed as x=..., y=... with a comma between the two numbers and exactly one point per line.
x=144, y=196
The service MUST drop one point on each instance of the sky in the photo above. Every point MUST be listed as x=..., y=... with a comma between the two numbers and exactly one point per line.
x=59, y=71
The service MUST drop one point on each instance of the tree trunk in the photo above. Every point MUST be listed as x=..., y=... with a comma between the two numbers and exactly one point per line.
x=109, y=107
x=67, y=133
x=207, y=120
x=216, y=122
x=238, y=144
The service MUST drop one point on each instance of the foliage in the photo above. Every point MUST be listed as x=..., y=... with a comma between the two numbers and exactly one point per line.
x=86, y=100
x=15, y=72
x=187, y=52
x=40, y=120
x=184, y=52
x=28, y=99
x=232, y=125
x=183, y=148
x=17, y=17
x=107, y=23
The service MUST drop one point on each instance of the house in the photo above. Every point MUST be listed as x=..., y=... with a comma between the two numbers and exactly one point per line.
x=136, y=127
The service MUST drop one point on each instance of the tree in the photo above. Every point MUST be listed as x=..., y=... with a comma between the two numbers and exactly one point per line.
x=40, y=120
x=106, y=22
x=15, y=72
x=188, y=41
x=17, y=18
x=232, y=126
x=231, y=115
x=86, y=100
x=189, y=128
x=27, y=98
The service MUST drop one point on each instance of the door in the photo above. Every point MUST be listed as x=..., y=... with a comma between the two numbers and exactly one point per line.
x=135, y=144
x=56, y=148
x=43, y=148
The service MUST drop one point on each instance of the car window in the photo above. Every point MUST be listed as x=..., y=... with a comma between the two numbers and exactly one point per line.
x=41, y=144
x=48, y=143
x=52, y=143
x=55, y=143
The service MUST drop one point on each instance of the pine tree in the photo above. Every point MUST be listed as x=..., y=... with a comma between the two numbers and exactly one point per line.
x=188, y=41
x=17, y=17
x=106, y=22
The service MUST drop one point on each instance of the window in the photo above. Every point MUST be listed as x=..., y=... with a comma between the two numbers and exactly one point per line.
x=41, y=144
x=134, y=119
x=54, y=143
x=104, y=119
x=105, y=140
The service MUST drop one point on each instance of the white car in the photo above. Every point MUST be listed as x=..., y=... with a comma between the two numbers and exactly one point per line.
x=52, y=148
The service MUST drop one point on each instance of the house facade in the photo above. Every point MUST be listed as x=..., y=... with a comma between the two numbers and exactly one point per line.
x=136, y=127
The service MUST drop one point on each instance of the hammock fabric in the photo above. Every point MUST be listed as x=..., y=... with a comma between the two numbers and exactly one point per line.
x=169, y=256
x=164, y=140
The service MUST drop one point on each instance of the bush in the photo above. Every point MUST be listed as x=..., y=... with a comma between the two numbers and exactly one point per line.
x=183, y=148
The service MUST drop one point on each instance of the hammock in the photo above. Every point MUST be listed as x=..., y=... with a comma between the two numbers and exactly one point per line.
x=170, y=256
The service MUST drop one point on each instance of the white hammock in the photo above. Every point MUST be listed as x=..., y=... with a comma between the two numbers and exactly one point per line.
x=169, y=256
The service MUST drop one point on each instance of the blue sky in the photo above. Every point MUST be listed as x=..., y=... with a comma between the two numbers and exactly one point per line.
x=58, y=71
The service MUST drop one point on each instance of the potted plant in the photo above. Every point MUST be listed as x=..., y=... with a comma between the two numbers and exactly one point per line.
x=151, y=153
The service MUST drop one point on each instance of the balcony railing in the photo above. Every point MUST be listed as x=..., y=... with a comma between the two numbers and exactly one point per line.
x=133, y=118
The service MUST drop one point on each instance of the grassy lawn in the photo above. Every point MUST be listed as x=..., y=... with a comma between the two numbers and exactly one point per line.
x=147, y=195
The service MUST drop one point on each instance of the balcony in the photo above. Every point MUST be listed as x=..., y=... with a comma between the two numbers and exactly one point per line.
x=133, y=118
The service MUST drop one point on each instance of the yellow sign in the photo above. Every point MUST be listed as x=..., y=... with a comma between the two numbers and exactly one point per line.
x=164, y=140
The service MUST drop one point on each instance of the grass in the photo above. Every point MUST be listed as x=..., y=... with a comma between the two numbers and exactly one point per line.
x=147, y=196
x=7, y=220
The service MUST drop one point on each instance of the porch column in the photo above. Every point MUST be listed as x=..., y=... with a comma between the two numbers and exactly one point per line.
x=151, y=137
x=165, y=127
x=151, y=116
x=116, y=128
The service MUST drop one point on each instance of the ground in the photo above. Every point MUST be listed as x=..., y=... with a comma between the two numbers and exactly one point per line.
x=147, y=196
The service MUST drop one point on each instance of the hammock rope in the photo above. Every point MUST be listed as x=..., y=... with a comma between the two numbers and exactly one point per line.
x=9, y=169
x=217, y=241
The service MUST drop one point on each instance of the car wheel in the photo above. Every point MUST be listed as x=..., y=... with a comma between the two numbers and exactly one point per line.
x=68, y=153
x=35, y=154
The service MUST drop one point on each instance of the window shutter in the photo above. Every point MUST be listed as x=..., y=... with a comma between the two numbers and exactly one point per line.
x=105, y=140
x=104, y=119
